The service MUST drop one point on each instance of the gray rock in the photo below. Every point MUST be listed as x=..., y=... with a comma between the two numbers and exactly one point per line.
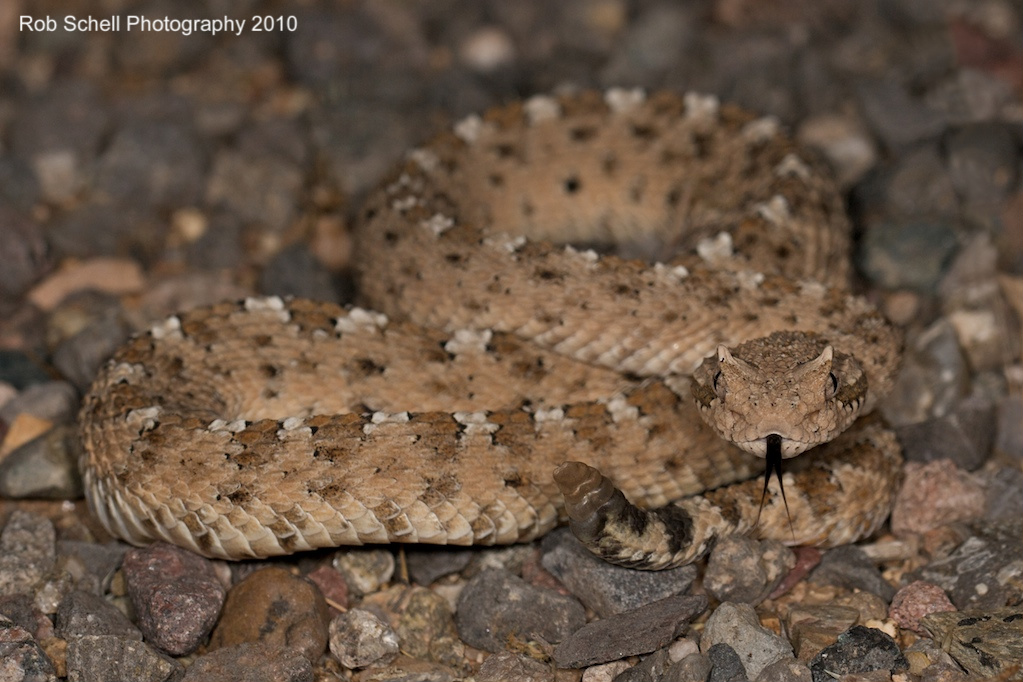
x=858, y=650
x=25, y=257
x=101, y=658
x=496, y=605
x=725, y=664
x=22, y=610
x=45, y=467
x=19, y=187
x=67, y=122
x=895, y=116
x=851, y=568
x=294, y=271
x=988, y=644
x=917, y=185
x=1004, y=503
x=19, y=371
x=964, y=435
x=21, y=657
x=741, y=569
x=81, y=613
x=983, y=162
x=692, y=668
x=426, y=564
x=605, y=588
x=56, y=401
x=505, y=666
x=261, y=189
x=221, y=244
x=176, y=594
x=651, y=46
x=634, y=632
x=738, y=626
x=932, y=377
x=812, y=627
x=982, y=573
x=106, y=229
x=80, y=357
x=27, y=552
x=365, y=570
x=358, y=639
x=785, y=670
x=92, y=563
x=1010, y=427
x=252, y=662
x=907, y=254
x=157, y=164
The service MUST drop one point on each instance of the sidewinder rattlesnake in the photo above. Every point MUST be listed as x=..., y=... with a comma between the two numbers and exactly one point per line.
x=268, y=427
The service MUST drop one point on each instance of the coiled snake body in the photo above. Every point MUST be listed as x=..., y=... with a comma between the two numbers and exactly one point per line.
x=267, y=427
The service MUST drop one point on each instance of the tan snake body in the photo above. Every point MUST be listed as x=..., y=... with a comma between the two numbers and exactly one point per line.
x=267, y=427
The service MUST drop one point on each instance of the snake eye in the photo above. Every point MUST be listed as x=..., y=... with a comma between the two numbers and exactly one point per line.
x=833, y=378
x=715, y=381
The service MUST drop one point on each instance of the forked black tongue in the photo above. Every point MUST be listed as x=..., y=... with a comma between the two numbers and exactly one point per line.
x=773, y=457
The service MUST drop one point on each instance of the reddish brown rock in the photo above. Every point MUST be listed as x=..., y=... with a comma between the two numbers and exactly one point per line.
x=176, y=595
x=277, y=609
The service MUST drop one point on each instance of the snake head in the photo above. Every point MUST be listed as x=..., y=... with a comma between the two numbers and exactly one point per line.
x=792, y=384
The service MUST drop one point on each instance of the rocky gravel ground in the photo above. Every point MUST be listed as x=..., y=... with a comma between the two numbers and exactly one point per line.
x=143, y=173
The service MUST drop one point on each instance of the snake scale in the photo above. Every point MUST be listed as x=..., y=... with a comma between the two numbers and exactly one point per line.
x=546, y=282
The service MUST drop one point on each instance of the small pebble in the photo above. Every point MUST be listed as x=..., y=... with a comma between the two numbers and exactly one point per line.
x=277, y=609
x=294, y=271
x=22, y=610
x=98, y=658
x=725, y=664
x=332, y=585
x=25, y=255
x=21, y=657
x=935, y=494
x=605, y=588
x=973, y=574
x=741, y=569
x=858, y=650
x=897, y=117
x=849, y=149
x=487, y=49
x=506, y=666
x=44, y=468
x=693, y=667
x=176, y=596
x=964, y=436
x=785, y=670
x=916, y=600
x=259, y=188
x=55, y=401
x=907, y=254
x=81, y=613
x=496, y=606
x=27, y=552
x=1004, y=503
x=738, y=626
x=426, y=627
x=251, y=662
x=427, y=564
x=359, y=639
x=365, y=570
x=812, y=627
x=850, y=568
x=153, y=163
x=931, y=379
x=639, y=631
x=983, y=163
